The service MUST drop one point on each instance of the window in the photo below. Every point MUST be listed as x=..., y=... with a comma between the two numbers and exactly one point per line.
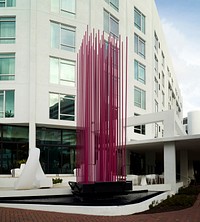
x=111, y=24
x=163, y=79
x=62, y=72
x=7, y=103
x=14, y=146
x=7, y=30
x=156, y=43
x=156, y=64
x=63, y=37
x=114, y=4
x=168, y=71
x=156, y=86
x=139, y=45
x=139, y=98
x=163, y=60
x=156, y=130
x=139, y=20
x=64, y=6
x=7, y=3
x=156, y=106
x=57, y=150
x=139, y=70
x=7, y=66
x=62, y=107
x=140, y=129
x=163, y=98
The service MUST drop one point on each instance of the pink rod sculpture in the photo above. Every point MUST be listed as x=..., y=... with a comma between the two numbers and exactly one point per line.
x=101, y=105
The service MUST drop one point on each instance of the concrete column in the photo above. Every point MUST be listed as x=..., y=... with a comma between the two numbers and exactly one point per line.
x=32, y=136
x=32, y=74
x=170, y=165
x=184, y=167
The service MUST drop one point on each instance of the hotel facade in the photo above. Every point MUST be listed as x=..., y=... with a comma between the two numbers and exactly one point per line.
x=39, y=42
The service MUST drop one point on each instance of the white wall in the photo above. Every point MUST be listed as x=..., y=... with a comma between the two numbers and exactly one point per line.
x=33, y=51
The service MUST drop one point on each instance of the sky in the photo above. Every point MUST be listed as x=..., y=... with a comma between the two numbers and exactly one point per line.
x=181, y=24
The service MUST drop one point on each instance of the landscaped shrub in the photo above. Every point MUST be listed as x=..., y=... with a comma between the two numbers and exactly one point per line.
x=184, y=199
x=179, y=200
x=57, y=180
x=191, y=190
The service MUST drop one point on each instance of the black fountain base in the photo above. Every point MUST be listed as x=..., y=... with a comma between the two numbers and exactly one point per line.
x=100, y=189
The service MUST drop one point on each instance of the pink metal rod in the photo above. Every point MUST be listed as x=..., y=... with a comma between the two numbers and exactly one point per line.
x=101, y=105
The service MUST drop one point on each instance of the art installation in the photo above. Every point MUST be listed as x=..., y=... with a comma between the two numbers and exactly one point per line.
x=32, y=175
x=101, y=105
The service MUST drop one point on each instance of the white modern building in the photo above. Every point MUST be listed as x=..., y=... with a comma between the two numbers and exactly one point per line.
x=39, y=41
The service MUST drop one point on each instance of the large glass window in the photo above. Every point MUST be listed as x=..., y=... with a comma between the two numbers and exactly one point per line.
x=64, y=6
x=139, y=20
x=139, y=71
x=7, y=3
x=7, y=103
x=62, y=107
x=139, y=45
x=139, y=98
x=7, y=66
x=57, y=148
x=13, y=147
x=63, y=37
x=62, y=71
x=15, y=134
x=111, y=24
x=114, y=4
x=7, y=30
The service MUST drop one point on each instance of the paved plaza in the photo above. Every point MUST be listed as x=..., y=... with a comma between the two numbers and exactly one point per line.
x=191, y=214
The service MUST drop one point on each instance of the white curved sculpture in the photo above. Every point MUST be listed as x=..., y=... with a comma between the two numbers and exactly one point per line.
x=32, y=175
x=194, y=122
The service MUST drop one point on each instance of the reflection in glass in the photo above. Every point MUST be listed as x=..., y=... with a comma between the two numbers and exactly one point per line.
x=55, y=35
x=62, y=71
x=59, y=157
x=53, y=114
x=67, y=38
x=9, y=103
x=7, y=30
x=62, y=107
x=54, y=70
x=1, y=104
x=15, y=133
x=67, y=73
x=7, y=66
x=48, y=136
x=68, y=6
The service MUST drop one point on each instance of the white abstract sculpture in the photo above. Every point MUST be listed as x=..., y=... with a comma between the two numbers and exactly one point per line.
x=17, y=171
x=32, y=175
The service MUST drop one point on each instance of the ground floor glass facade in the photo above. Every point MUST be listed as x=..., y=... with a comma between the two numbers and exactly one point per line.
x=13, y=147
x=57, y=148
